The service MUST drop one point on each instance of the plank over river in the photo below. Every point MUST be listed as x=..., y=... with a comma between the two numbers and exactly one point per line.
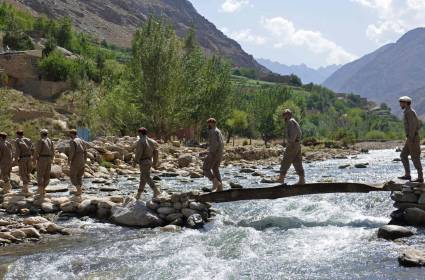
x=282, y=191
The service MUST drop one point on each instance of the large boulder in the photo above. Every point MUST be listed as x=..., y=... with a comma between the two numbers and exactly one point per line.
x=392, y=232
x=414, y=216
x=135, y=215
x=412, y=258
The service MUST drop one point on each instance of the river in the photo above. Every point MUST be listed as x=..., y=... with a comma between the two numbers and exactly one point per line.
x=330, y=236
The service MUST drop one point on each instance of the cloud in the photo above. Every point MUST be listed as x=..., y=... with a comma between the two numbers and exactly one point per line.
x=394, y=18
x=284, y=33
x=231, y=6
x=245, y=36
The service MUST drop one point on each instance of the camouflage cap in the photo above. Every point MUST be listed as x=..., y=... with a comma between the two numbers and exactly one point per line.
x=44, y=131
x=3, y=134
x=405, y=99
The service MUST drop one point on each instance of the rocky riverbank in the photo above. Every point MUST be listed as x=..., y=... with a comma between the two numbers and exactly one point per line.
x=170, y=211
x=407, y=221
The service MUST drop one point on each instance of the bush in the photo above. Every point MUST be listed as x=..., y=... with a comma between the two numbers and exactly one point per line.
x=376, y=135
x=311, y=141
x=245, y=143
x=56, y=67
x=17, y=40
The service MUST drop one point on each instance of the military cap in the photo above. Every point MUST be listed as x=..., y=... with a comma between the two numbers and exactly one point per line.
x=211, y=120
x=3, y=134
x=73, y=131
x=405, y=99
x=143, y=130
x=44, y=131
x=19, y=131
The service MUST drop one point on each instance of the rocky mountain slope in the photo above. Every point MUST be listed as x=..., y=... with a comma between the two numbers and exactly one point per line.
x=116, y=20
x=393, y=70
x=307, y=74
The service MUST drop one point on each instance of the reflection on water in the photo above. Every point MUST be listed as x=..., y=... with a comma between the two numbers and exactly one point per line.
x=311, y=237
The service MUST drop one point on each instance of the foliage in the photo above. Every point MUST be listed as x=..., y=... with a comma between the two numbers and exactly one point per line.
x=237, y=123
x=56, y=67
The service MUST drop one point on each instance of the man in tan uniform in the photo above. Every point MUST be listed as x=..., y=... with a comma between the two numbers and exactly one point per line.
x=43, y=157
x=6, y=161
x=292, y=154
x=23, y=153
x=146, y=156
x=77, y=161
x=215, y=155
x=412, y=146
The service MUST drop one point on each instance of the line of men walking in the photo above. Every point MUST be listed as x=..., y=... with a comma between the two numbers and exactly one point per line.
x=147, y=155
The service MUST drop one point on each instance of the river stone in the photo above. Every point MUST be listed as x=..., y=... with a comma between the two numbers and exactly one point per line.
x=152, y=205
x=86, y=208
x=56, y=189
x=166, y=204
x=197, y=206
x=170, y=228
x=49, y=207
x=103, y=213
x=184, y=160
x=8, y=236
x=247, y=170
x=187, y=212
x=31, y=232
x=137, y=215
x=166, y=210
x=107, y=189
x=267, y=181
x=412, y=258
x=409, y=197
x=177, y=205
x=195, y=221
x=69, y=207
x=392, y=232
x=344, y=166
x=5, y=241
x=174, y=216
x=414, y=216
x=235, y=185
x=195, y=175
x=56, y=171
x=34, y=220
x=361, y=165
x=19, y=234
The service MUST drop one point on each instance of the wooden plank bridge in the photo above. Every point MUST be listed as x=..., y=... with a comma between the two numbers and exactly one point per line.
x=282, y=191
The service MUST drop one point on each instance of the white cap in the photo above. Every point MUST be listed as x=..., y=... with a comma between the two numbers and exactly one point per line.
x=405, y=99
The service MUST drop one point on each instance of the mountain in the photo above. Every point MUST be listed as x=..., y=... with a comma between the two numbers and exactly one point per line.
x=391, y=71
x=116, y=20
x=307, y=74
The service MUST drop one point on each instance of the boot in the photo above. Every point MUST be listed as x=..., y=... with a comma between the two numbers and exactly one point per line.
x=79, y=191
x=405, y=177
x=301, y=181
x=139, y=195
x=219, y=186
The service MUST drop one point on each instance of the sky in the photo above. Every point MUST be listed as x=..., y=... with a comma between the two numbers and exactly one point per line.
x=314, y=32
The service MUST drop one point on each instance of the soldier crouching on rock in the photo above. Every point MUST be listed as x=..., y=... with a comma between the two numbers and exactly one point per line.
x=6, y=161
x=43, y=158
x=23, y=154
x=215, y=155
x=146, y=157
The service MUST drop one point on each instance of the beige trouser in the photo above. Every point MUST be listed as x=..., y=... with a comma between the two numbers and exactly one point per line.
x=44, y=166
x=25, y=168
x=211, y=166
x=5, y=170
x=292, y=156
x=145, y=177
x=412, y=148
x=76, y=171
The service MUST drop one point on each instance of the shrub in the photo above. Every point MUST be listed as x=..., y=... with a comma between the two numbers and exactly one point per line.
x=376, y=135
x=245, y=143
x=17, y=40
x=56, y=67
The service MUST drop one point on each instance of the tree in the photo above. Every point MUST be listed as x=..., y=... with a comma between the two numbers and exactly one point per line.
x=65, y=35
x=236, y=124
x=294, y=80
x=17, y=40
x=56, y=67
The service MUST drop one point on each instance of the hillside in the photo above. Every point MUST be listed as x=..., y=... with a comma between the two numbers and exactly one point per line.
x=393, y=70
x=116, y=20
x=307, y=74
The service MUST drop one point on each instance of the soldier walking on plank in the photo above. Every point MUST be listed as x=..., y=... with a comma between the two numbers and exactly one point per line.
x=292, y=154
x=215, y=155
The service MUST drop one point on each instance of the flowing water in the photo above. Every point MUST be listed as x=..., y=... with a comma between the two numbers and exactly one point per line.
x=330, y=236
